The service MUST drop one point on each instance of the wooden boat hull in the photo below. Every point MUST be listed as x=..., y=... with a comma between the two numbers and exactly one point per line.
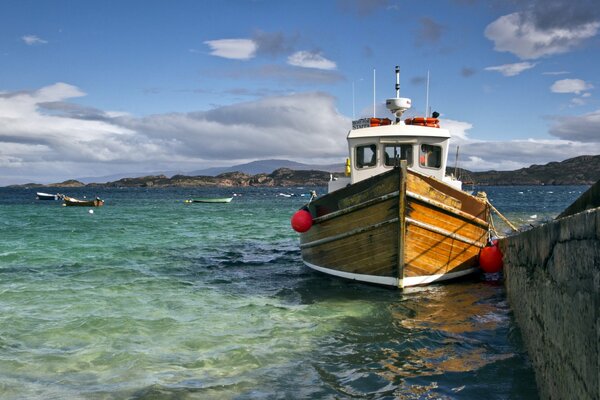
x=399, y=229
x=72, y=202
x=210, y=200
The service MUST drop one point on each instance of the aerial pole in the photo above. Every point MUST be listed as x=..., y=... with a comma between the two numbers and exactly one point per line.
x=427, y=97
x=352, y=100
x=397, y=82
x=374, y=100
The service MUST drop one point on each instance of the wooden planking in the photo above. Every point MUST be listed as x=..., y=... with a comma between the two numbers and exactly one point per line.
x=376, y=213
x=435, y=253
x=469, y=204
x=445, y=220
x=400, y=238
x=365, y=239
x=387, y=184
x=372, y=253
x=420, y=186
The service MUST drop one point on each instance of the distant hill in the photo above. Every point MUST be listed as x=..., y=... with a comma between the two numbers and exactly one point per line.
x=252, y=168
x=279, y=178
x=582, y=170
x=268, y=166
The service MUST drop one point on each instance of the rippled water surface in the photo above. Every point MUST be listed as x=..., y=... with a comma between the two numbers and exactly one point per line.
x=148, y=297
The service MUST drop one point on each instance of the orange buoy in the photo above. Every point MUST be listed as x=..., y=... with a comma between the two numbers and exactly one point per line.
x=301, y=221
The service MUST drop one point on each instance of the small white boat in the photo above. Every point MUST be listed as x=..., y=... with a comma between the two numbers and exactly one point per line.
x=210, y=200
x=48, y=196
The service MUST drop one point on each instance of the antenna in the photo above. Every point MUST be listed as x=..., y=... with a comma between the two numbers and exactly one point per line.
x=397, y=82
x=427, y=97
x=398, y=104
x=353, y=100
x=374, y=101
x=456, y=163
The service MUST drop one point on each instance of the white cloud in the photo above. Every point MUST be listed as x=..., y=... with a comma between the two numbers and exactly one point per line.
x=514, y=154
x=75, y=141
x=269, y=127
x=570, y=86
x=581, y=128
x=516, y=33
x=512, y=69
x=38, y=136
x=238, y=49
x=72, y=140
x=31, y=40
x=577, y=137
x=555, y=73
x=458, y=130
x=307, y=59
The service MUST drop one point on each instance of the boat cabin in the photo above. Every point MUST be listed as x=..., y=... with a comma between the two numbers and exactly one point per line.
x=377, y=145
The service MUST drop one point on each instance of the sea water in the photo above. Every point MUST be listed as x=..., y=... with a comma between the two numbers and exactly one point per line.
x=148, y=297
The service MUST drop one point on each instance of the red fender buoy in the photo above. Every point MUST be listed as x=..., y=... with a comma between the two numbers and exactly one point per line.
x=301, y=221
x=490, y=259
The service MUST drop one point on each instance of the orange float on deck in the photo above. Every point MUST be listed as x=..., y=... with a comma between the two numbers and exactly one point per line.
x=422, y=121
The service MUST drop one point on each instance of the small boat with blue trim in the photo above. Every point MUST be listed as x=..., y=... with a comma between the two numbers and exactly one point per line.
x=396, y=218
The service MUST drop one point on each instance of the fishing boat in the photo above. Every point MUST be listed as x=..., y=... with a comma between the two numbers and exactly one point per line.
x=209, y=200
x=70, y=201
x=47, y=196
x=396, y=218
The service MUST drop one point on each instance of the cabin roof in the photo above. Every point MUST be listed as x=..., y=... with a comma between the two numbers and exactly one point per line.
x=398, y=130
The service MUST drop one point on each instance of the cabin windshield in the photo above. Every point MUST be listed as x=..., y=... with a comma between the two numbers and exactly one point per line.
x=366, y=156
x=394, y=152
x=430, y=156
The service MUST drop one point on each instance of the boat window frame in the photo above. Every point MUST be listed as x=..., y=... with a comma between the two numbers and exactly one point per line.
x=427, y=158
x=358, y=160
x=409, y=159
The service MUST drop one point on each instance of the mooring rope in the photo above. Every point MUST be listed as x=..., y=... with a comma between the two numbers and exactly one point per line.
x=483, y=196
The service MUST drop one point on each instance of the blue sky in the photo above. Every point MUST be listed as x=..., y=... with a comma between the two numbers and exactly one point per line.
x=93, y=88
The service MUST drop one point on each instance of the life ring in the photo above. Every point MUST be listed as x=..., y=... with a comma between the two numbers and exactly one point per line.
x=421, y=121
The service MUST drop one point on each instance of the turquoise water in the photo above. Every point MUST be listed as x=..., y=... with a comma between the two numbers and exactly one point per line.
x=148, y=297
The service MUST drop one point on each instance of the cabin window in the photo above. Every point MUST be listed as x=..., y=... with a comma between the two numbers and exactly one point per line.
x=398, y=151
x=430, y=156
x=366, y=156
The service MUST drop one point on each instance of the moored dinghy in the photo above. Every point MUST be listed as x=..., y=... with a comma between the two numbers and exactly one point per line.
x=73, y=202
x=396, y=219
x=47, y=196
x=209, y=200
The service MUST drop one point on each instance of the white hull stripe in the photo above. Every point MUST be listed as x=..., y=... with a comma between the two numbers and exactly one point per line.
x=391, y=281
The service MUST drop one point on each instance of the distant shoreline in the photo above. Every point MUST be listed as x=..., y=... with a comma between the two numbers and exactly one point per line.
x=582, y=170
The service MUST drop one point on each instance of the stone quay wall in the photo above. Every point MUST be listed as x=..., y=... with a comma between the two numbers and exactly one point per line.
x=552, y=278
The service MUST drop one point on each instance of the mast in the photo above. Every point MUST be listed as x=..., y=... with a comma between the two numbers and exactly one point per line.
x=352, y=100
x=456, y=163
x=374, y=100
x=397, y=82
x=427, y=97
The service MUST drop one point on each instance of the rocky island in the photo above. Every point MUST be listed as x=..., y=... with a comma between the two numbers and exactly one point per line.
x=582, y=170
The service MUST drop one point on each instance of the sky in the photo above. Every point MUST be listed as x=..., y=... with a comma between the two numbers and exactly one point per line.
x=95, y=88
